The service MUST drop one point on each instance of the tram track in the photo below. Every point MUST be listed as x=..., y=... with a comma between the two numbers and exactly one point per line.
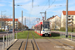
x=16, y=45
x=31, y=45
x=25, y=44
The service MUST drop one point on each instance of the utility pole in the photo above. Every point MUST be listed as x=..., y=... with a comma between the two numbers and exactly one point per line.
x=1, y=21
x=72, y=23
x=55, y=23
x=22, y=20
x=13, y=17
x=25, y=21
x=66, y=18
x=44, y=13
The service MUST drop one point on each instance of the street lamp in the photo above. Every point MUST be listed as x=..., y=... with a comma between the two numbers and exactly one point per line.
x=1, y=19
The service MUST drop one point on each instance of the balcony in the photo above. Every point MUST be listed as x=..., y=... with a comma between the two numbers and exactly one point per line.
x=69, y=21
x=69, y=24
x=69, y=17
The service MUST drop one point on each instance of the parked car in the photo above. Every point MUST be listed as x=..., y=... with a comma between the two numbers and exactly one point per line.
x=11, y=30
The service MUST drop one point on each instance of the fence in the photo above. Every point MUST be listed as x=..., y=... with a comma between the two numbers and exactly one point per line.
x=6, y=40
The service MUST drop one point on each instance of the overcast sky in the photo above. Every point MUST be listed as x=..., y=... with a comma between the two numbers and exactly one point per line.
x=52, y=7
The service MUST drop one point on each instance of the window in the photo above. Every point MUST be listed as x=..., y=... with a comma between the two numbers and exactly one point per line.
x=2, y=23
x=68, y=16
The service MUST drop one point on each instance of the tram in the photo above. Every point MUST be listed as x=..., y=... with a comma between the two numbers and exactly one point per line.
x=43, y=28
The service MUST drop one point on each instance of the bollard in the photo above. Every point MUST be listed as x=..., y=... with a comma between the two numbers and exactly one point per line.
x=60, y=35
x=13, y=37
x=6, y=40
x=16, y=35
x=10, y=38
x=71, y=36
x=3, y=42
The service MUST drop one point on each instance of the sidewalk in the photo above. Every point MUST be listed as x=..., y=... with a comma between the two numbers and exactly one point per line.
x=1, y=44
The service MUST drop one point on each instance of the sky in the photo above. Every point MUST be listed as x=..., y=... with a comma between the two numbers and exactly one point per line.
x=52, y=7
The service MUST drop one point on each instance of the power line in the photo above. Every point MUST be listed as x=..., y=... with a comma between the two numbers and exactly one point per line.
x=49, y=2
x=45, y=5
x=51, y=5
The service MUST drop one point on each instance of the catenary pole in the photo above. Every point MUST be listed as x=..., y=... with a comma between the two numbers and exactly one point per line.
x=66, y=18
x=45, y=15
x=22, y=20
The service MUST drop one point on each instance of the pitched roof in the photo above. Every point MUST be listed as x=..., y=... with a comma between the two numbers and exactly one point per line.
x=69, y=12
x=51, y=18
x=7, y=19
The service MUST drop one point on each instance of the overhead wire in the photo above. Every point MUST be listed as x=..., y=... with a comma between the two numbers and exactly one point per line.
x=51, y=5
x=44, y=5
x=42, y=8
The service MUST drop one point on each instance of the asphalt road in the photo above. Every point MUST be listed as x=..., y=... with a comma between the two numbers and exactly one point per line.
x=4, y=33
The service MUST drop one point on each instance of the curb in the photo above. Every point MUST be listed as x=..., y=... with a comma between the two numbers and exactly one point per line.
x=11, y=44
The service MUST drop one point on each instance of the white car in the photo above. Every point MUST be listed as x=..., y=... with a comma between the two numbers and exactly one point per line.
x=11, y=30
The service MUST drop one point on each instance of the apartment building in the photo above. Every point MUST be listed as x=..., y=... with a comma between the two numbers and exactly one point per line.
x=54, y=22
x=7, y=24
x=71, y=18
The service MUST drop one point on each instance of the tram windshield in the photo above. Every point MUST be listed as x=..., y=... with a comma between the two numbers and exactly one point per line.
x=46, y=25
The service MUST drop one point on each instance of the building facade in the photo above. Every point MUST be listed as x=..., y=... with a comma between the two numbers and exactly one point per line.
x=71, y=18
x=54, y=22
x=7, y=24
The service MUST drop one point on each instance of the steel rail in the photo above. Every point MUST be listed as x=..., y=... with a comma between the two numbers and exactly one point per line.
x=20, y=45
x=35, y=42
x=26, y=42
x=32, y=45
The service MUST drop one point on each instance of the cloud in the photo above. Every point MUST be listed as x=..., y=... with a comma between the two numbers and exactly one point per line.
x=21, y=1
x=72, y=8
x=2, y=5
x=29, y=20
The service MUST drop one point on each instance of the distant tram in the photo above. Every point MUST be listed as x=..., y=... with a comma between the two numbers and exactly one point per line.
x=43, y=28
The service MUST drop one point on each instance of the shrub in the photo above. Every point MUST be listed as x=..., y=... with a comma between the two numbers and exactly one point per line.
x=0, y=30
x=62, y=29
x=69, y=28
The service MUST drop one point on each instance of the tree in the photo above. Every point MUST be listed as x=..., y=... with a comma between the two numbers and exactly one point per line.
x=58, y=22
x=64, y=22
